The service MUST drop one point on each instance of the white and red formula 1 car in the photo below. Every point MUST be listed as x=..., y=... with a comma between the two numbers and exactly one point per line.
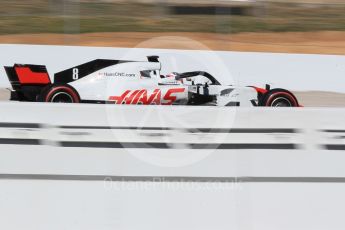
x=134, y=82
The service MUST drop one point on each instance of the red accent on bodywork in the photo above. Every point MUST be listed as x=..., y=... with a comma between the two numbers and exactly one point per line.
x=153, y=98
x=26, y=76
x=170, y=98
x=143, y=97
x=137, y=97
x=119, y=99
x=129, y=99
x=260, y=90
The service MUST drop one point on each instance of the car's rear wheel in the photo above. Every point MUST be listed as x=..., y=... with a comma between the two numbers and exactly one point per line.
x=279, y=98
x=59, y=94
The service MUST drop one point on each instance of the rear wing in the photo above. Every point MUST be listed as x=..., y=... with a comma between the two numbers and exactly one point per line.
x=20, y=75
x=27, y=81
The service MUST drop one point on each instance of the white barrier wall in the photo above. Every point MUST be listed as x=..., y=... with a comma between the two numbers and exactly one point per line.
x=291, y=71
x=154, y=167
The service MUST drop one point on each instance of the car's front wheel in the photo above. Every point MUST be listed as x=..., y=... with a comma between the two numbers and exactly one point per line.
x=59, y=94
x=279, y=98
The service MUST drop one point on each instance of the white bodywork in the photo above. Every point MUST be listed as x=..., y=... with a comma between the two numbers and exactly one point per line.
x=142, y=83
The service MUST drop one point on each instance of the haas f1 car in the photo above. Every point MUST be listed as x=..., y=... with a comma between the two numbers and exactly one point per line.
x=134, y=82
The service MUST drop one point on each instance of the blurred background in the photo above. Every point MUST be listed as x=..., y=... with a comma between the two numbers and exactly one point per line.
x=293, y=26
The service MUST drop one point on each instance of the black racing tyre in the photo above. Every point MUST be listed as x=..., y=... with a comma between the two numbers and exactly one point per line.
x=59, y=94
x=279, y=98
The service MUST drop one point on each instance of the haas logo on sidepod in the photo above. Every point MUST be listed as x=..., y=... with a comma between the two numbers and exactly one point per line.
x=143, y=97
